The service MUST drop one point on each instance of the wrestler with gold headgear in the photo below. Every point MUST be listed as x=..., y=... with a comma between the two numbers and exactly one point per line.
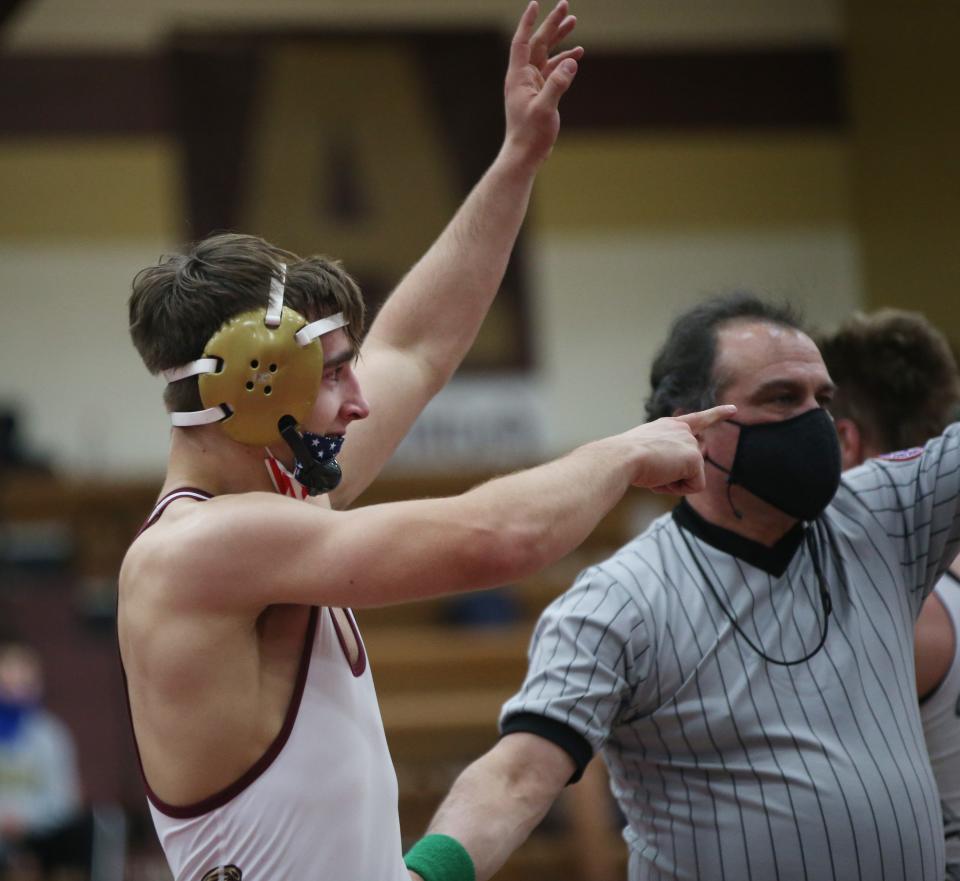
x=252, y=702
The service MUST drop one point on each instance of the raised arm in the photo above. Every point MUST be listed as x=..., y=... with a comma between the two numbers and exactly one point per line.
x=289, y=552
x=498, y=801
x=429, y=322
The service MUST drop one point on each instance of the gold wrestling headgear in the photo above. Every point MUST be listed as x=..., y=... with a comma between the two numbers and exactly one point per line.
x=260, y=374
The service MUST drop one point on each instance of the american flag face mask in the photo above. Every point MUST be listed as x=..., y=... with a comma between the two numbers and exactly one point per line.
x=323, y=451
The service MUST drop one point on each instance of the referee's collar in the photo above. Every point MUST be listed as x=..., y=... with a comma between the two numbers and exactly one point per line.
x=771, y=559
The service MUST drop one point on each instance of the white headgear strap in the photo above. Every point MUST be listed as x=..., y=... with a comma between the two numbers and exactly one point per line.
x=275, y=303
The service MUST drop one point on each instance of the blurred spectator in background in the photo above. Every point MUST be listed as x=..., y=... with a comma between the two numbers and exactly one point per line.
x=13, y=453
x=11, y=456
x=41, y=826
x=897, y=387
x=897, y=383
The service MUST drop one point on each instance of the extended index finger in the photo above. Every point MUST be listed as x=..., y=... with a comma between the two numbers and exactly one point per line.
x=705, y=418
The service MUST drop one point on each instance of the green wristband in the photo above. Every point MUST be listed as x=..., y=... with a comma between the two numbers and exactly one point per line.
x=440, y=858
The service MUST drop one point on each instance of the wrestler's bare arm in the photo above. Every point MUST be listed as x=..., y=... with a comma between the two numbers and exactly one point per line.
x=934, y=645
x=430, y=321
x=499, y=799
x=250, y=551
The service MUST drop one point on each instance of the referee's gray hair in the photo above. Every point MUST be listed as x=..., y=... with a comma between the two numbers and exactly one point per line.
x=682, y=377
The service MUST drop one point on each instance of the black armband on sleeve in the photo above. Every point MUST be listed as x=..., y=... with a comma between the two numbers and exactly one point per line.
x=571, y=742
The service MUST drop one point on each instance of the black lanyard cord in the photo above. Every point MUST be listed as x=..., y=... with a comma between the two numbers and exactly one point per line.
x=825, y=601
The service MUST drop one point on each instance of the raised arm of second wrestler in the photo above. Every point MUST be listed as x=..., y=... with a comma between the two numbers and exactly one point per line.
x=429, y=322
x=510, y=527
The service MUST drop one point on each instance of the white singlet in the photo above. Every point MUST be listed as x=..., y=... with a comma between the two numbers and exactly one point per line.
x=321, y=803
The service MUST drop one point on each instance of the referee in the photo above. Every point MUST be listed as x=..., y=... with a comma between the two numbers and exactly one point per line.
x=746, y=664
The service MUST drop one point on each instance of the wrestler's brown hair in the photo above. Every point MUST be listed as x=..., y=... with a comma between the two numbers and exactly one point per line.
x=178, y=304
x=896, y=378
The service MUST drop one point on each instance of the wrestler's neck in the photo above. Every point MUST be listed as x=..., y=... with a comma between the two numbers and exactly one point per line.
x=758, y=520
x=203, y=457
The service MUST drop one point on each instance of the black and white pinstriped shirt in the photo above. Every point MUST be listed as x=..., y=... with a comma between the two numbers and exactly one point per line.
x=726, y=766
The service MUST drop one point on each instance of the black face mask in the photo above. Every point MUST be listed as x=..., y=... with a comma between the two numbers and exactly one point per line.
x=793, y=465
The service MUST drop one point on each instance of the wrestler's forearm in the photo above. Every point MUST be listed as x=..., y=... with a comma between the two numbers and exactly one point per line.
x=551, y=509
x=436, y=310
x=428, y=324
x=497, y=533
x=500, y=799
x=547, y=511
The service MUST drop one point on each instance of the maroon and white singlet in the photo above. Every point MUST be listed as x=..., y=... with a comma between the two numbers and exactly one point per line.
x=321, y=803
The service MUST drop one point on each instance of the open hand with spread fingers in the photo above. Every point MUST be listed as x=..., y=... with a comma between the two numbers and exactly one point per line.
x=537, y=80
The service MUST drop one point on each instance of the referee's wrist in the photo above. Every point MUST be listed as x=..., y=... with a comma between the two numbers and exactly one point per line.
x=438, y=857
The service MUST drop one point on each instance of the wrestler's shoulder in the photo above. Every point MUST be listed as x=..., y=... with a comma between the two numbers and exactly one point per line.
x=262, y=508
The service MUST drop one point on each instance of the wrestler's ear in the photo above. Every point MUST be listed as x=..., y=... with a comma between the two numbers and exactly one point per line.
x=851, y=443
